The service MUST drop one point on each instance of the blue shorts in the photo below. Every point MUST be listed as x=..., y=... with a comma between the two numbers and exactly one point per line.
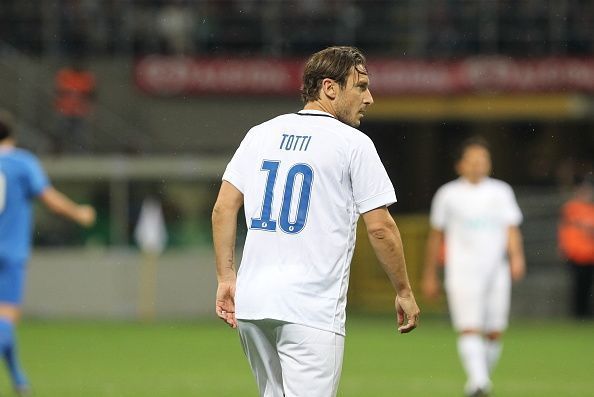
x=12, y=280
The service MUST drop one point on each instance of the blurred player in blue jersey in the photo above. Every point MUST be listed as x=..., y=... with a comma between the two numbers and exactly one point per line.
x=21, y=180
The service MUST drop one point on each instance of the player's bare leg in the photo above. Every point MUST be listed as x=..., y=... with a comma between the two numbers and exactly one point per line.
x=9, y=316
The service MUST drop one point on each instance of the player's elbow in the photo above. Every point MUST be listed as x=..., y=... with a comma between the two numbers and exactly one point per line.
x=217, y=212
x=53, y=200
x=221, y=211
x=381, y=230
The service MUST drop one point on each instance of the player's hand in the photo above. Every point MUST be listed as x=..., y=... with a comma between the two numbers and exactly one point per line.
x=225, y=303
x=407, y=311
x=86, y=215
x=430, y=286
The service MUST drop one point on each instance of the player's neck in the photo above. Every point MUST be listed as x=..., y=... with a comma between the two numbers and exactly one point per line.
x=7, y=143
x=320, y=106
x=473, y=180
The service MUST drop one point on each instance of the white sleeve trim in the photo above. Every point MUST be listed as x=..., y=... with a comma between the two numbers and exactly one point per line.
x=387, y=198
x=516, y=220
x=234, y=178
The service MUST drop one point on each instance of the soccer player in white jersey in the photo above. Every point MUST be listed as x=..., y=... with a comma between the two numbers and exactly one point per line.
x=304, y=179
x=478, y=216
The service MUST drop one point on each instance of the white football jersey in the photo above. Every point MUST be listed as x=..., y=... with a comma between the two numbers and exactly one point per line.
x=475, y=219
x=305, y=178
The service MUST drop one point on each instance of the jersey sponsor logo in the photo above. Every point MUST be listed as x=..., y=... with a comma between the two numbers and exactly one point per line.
x=480, y=223
x=293, y=216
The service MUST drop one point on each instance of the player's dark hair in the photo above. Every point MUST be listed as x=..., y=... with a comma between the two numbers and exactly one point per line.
x=476, y=140
x=331, y=63
x=6, y=124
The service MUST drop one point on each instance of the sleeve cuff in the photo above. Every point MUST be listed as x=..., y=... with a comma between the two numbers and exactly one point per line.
x=516, y=220
x=379, y=200
x=38, y=191
x=233, y=178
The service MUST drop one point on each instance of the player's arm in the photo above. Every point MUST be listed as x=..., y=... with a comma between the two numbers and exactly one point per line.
x=515, y=252
x=430, y=283
x=224, y=230
x=60, y=204
x=384, y=237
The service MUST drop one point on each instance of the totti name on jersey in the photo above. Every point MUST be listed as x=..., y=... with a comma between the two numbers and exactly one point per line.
x=295, y=142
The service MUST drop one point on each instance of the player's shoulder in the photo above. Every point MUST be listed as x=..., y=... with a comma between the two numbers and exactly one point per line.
x=452, y=185
x=25, y=153
x=20, y=162
x=21, y=155
x=352, y=138
x=449, y=190
x=498, y=184
x=357, y=136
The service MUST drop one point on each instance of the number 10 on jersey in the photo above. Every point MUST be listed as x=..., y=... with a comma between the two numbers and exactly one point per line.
x=265, y=221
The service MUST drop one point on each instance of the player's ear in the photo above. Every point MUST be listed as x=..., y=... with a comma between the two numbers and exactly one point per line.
x=329, y=88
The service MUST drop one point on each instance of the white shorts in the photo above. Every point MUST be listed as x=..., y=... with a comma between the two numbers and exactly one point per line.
x=292, y=360
x=481, y=302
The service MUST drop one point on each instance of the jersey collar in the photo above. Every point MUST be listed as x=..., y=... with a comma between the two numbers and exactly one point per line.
x=311, y=112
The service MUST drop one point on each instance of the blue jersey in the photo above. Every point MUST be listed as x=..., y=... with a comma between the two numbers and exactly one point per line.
x=21, y=179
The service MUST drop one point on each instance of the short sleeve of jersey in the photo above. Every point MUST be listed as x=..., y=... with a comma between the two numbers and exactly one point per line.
x=234, y=171
x=512, y=213
x=372, y=187
x=437, y=217
x=36, y=177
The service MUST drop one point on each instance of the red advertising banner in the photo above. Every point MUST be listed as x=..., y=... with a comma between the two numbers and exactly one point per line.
x=175, y=76
x=166, y=76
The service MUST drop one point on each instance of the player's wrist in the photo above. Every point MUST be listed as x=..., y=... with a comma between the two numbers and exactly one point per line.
x=226, y=279
x=405, y=292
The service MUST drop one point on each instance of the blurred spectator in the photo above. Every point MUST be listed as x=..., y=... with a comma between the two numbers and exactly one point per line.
x=174, y=24
x=570, y=169
x=73, y=24
x=21, y=24
x=447, y=36
x=142, y=27
x=349, y=20
x=75, y=93
x=576, y=243
x=580, y=21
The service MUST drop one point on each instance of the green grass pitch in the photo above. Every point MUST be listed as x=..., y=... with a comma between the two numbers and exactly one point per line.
x=111, y=359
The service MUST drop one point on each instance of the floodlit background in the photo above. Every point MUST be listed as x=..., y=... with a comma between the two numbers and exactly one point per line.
x=177, y=83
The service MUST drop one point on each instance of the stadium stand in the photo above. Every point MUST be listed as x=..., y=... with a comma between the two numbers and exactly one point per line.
x=412, y=28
